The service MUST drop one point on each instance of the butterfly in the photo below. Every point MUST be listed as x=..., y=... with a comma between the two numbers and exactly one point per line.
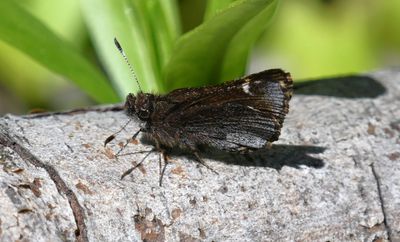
x=236, y=116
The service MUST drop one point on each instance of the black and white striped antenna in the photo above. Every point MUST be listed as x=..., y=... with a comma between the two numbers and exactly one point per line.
x=119, y=47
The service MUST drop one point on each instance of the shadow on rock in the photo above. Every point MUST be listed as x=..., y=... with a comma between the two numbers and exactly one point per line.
x=275, y=157
x=347, y=87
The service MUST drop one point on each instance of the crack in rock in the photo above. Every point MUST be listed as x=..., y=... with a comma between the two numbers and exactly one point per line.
x=81, y=233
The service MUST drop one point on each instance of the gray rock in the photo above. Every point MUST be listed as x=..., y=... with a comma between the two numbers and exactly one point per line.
x=334, y=175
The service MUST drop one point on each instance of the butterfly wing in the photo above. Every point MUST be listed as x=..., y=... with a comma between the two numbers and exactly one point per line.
x=244, y=114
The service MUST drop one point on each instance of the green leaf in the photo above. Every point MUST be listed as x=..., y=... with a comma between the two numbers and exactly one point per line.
x=213, y=6
x=235, y=60
x=204, y=55
x=21, y=30
x=147, y=31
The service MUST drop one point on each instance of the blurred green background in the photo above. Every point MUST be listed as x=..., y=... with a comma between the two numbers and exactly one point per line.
x=309, y=38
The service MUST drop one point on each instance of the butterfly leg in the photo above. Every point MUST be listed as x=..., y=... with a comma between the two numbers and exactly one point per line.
x=137, y=165
x=166, y=162
x=127, y=142
x=165, y=158
x=201, y=161
x=137, y=152
x=111, y=137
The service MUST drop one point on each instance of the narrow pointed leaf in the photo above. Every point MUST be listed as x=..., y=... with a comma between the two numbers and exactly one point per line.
x=146, y=30
x=200, y=55
x=23, y=31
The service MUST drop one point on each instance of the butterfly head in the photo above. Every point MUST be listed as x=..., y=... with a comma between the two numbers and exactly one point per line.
x=140, y=105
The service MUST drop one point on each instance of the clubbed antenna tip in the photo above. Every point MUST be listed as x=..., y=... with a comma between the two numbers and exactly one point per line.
x=119, y=47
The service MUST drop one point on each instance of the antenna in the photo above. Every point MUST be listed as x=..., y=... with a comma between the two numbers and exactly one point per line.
x=127, y=62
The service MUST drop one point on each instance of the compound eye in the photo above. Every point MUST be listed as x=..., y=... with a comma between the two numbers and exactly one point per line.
x=144, y=113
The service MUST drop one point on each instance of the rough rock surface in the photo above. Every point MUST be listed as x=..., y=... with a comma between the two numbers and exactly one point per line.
x=333, y=175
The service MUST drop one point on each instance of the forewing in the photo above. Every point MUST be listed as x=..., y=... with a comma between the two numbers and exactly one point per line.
x=241, y=114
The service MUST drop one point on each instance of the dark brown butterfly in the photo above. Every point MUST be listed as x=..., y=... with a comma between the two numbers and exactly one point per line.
x=236, y=116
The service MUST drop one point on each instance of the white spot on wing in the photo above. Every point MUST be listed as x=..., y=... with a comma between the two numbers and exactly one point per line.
x=246, y=88
x=254, y=109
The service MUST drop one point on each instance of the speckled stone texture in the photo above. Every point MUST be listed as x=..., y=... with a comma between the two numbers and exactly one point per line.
x=333, y=175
